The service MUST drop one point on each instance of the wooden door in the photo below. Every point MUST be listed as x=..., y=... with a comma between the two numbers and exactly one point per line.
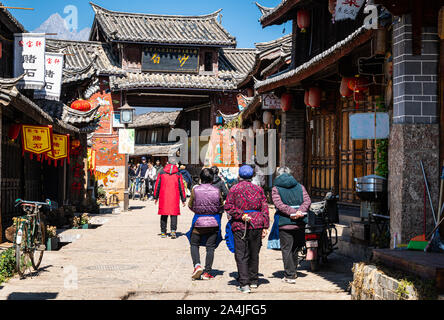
x=322, y=151
x=356, y=157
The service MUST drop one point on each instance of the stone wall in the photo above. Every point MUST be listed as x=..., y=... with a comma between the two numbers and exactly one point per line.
x=415, y=131
x=293, y=141
x=371, y=284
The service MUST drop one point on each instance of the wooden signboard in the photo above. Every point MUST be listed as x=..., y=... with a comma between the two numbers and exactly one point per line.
x=170, y=59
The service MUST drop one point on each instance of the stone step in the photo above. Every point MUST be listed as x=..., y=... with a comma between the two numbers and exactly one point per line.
x=343, y=230
x=69, y=235
x=355, y=251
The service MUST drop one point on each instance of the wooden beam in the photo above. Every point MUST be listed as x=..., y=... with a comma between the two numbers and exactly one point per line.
x=20, y=8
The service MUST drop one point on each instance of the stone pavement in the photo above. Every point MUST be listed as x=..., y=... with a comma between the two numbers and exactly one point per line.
x=126, y=259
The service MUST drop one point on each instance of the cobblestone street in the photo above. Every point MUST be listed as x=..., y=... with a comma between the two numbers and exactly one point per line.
x=125, y=258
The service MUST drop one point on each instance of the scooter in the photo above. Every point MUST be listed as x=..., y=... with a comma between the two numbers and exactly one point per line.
x=320, y=240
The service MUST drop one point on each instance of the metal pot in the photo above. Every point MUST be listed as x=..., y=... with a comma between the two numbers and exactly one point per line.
x=371, y=183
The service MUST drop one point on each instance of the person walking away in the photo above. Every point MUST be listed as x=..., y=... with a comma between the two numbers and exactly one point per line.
x=291, y=201
x=158, y=167
x=140, y=173
x=168, y=192
x=150, y=177
x=247, y=207
x=207, y=204
x=187, y=178
x=219, y=183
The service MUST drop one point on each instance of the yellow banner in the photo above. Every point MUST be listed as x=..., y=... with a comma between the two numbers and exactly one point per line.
x=37, y=139
x=60, y=146
x=91, y=160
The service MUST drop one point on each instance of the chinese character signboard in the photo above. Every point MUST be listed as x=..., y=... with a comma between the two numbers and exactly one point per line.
x=170, y=59
x=53, y=77
x=126, y=141
x=29, y=59
x=60, y=144
x=347, y=9
x=37, y=139
x=270, y=102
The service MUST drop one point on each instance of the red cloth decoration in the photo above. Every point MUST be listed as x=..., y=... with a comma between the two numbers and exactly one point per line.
x=306, y=98
x=14, y=131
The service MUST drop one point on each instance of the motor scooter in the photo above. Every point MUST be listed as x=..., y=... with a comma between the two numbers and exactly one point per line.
x=320, y=240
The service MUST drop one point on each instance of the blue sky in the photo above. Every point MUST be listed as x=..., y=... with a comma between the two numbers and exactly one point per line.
x=240, y=17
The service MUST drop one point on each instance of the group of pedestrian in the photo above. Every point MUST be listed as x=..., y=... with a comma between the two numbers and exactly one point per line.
x=248, y=219
x=145, y=175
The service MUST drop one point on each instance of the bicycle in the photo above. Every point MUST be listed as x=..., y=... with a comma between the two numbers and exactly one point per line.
x=29, y=240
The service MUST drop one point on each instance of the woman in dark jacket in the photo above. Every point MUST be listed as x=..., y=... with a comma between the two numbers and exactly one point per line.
x=247, y=207
x=207, y=204
x=219, y=183
x=291, y=201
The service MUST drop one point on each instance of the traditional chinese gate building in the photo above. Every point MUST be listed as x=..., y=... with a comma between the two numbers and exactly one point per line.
x=148, y=60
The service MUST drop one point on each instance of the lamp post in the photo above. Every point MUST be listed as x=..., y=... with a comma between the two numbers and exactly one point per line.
x=126, y=118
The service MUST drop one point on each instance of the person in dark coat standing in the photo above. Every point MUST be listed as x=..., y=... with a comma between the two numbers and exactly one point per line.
x=186, y=176
x=207, y=204
x=219, y=183
x=291, y=201
x=169, y=191
x=247, y=208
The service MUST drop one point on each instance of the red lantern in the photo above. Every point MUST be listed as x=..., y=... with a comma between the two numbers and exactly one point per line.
x=75, y=143
x=344, y=89
x=314, y=98
x=81, y=105
x=303, y=19
x=306, y=98
x=14, y=131
x=358, y=84
x=286, y=100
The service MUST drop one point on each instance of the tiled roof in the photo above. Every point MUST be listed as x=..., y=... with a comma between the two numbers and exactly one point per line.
x=84, y=59
x=275, y=50
x=59, y=110
x=341, y=48
x=274, y=15
x=9, y=95
x=138, y=80
x=237, y=62
x=18, y=26
x=159, y=150
x=155, y=119
x=167, y=29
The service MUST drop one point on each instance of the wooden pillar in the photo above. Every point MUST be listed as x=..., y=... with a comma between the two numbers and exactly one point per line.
x=1, y=130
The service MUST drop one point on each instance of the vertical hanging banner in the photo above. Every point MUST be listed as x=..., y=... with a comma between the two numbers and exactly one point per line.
x=29, y=59
x=37, y=139
x=91, y=160
x=126, y=141
x=60, y=150
x=347, y=9
x=53, y=77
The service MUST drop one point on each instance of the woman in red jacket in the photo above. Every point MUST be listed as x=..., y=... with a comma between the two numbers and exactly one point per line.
x=169, y=190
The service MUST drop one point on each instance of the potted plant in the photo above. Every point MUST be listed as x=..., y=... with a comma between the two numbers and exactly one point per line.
x=52, y=241
x=81, y=222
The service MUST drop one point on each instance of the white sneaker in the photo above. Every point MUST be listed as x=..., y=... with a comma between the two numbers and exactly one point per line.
x=288, y=280
x=244, y=289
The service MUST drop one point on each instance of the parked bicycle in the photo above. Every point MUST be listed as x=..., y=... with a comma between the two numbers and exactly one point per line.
x=29, y=240
x=132, y=188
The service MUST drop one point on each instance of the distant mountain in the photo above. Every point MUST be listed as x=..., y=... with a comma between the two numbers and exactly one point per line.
x=56, y=24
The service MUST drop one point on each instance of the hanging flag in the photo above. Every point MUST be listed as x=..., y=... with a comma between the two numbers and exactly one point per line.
x=347, y=9
x=60, y=150
x=91, y=160
x=36, y=139
x=29, y=59
x=53, y=77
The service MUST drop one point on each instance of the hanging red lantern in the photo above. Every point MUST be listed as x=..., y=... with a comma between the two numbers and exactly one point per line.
x=358, y=84
x=286, y=101
x=14, y=131
x=81, y=105
x=331, y=6
x=344, y=89
x=314, y=98
x=306, y=98
x=303, y=19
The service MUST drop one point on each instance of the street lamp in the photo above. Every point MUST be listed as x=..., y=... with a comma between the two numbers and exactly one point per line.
x=126, y=118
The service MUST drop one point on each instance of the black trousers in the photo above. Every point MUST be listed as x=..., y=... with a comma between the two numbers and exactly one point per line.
x=291, y=242
x=210, y=246
x=247, y=255
x=163, y=223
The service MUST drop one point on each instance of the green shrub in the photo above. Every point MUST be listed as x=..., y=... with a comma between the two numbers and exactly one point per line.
x=7, y=264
